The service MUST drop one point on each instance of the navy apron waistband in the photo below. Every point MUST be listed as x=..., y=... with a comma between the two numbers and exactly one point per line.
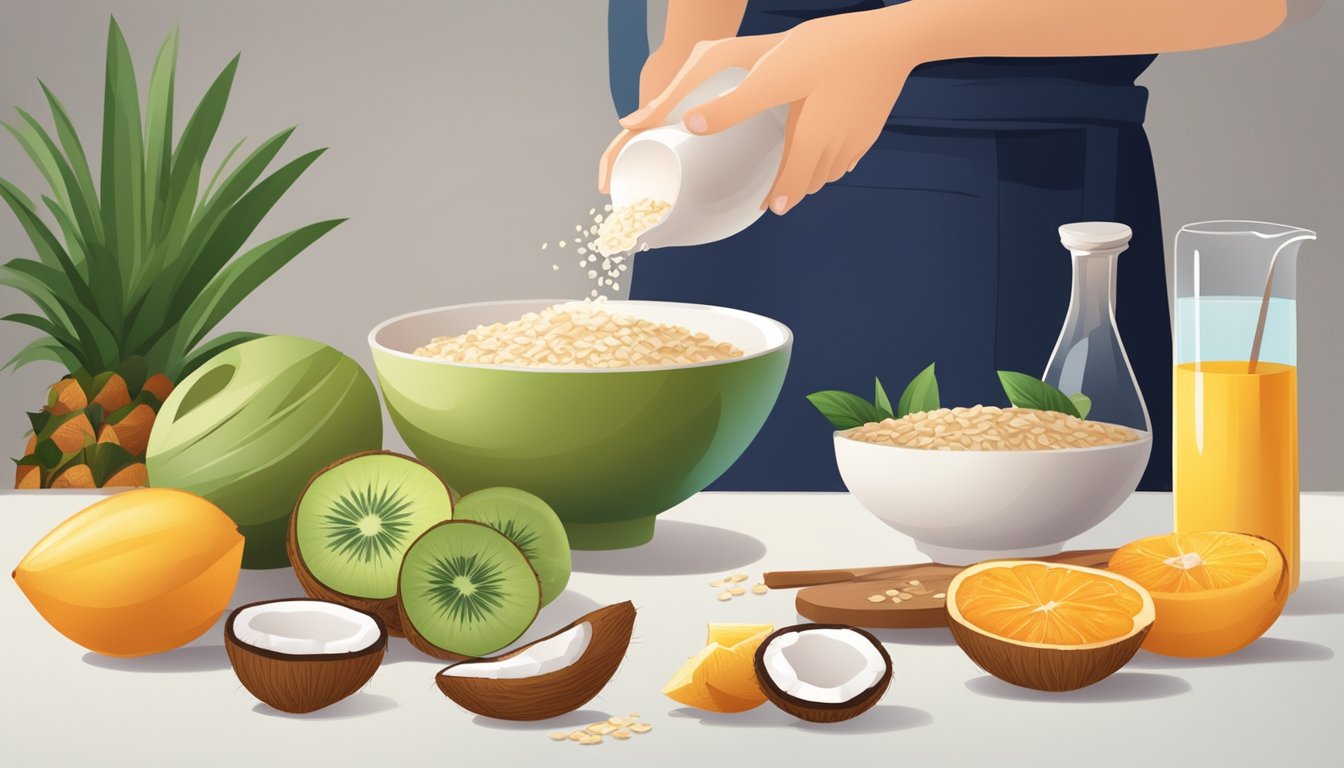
x=1008, y=103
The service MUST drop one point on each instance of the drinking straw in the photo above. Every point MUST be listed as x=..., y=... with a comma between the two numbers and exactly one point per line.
x=1264, y=311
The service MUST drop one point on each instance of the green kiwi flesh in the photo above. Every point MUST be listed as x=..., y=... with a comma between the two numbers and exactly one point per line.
x=357, y=518
x=466, y=590
x=531, y=525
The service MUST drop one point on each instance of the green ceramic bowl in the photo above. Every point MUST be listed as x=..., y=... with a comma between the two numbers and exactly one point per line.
x=609, y=449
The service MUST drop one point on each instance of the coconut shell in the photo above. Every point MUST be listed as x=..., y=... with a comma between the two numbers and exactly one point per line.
x=554, y=693
x=385, y=609
x=1045, y=668
x=300, y=683
x=817, y=711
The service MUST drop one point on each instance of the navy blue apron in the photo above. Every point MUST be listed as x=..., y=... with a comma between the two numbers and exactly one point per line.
x=941, y=246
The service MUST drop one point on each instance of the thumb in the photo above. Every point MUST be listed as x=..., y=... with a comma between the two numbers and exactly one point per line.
x=752, y=96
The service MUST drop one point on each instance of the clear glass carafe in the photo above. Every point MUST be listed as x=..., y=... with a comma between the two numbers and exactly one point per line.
x=1089, y=356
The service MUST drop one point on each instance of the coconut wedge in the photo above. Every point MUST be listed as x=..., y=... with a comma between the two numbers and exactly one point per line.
x=302, y=655
x=547, y=678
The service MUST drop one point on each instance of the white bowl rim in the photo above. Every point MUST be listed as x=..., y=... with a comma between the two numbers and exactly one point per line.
x=1144, y=436
x=751, y=317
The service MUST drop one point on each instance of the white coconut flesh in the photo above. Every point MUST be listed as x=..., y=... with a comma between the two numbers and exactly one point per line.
x=827, y=666
x=305, y=627
x=546, y=656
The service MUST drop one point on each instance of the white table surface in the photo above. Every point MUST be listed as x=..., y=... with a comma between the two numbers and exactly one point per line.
x=1279, y=701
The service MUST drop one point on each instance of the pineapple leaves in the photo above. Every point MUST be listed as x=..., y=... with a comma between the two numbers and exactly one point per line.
x=143, y=262
x=44, y=348
x=241, y=277
x=79, y=162
x=122, y=177
x=159, y=133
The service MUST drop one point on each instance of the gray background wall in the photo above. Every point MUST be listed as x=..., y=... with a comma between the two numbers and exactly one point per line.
x=464, y=134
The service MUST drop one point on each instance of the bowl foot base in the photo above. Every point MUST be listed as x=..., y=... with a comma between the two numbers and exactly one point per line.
x=622, y=534
x=954, y=556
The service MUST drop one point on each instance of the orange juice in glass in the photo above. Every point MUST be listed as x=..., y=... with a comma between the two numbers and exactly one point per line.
x=1235, y=464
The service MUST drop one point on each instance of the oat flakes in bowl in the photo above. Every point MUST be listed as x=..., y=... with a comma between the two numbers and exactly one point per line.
x=991, y=428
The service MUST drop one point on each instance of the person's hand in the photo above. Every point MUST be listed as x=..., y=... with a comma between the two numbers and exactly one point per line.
x=659, y=69
x=840, y=75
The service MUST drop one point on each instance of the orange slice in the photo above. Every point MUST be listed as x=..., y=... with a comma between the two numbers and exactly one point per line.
x=1048, y=626
x=1215, y=591
x=721, y=678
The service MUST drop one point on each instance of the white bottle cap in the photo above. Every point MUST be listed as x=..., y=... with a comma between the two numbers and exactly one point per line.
x=1095, y=235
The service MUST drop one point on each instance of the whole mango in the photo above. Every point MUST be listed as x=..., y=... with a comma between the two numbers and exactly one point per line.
x=141, y=572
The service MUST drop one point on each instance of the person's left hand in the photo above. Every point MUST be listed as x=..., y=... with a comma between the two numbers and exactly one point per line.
x=840, y=75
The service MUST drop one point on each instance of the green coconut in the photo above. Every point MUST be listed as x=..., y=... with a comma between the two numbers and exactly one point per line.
x=248, y=429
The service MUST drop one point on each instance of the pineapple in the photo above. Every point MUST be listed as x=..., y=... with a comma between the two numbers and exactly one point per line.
x=131, y=275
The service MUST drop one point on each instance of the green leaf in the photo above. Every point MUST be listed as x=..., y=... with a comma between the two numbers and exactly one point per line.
x=159, y=133
x=39, y=420
x=48, y=453
x=40, y=154
x=843, y=409
x=44, y=242
x=68, y=192
x=881, y=400
x=244, y=275
x=134, y=371
x=189, y=156
x=106, y=459
x=79, y=162
x=45, y=326
x=214, y=179
x=1083, y=403
x=15, y=275
x=921, y=394
x=203, y=353
x=208, y=215
x=1030, y=392
x=101, y=268
x=123, y=170
x=42, y=349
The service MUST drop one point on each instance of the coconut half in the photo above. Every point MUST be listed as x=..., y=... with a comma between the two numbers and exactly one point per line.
x=302, y=655
x=554, y=675
x=823, y=673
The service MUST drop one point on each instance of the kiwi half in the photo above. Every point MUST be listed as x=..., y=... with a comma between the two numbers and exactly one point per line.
x=466, y=590
x=354, y=522
x=531, y=525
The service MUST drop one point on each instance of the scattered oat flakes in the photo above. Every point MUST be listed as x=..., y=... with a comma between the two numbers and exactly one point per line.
x=725, y=596
x=557, y=735
x=588, y=741
x=576, y=735
x=914, y=582
x=759, y=589
x=893, y=592
x=621, y=734
x=939, y=595
x=716, y=583
x=896, y=599
x=737, y=591
x=905, y=595
x=877, y=598
x=618, y=721
x=641, y=727
x=737, y=577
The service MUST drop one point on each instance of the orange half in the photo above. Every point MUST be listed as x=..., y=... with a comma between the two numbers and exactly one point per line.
x=1215, y=591
x=1049, y=604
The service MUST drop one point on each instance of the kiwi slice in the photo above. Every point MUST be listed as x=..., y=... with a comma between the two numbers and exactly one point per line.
x=531, y=525
x=355, y=521
x=466, y=590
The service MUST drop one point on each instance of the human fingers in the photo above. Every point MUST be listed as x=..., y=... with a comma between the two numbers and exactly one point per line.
x=822, y=173
x=708, y=58
x=805, y=142
x=765, y=86
x=608, y=160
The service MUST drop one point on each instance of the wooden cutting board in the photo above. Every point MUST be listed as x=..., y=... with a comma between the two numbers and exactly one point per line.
x=912, y=595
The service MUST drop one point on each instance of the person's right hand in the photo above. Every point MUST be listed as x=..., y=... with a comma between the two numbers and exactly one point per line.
x=659, y=70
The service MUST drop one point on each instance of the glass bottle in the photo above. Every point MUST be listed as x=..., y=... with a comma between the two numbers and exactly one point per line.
x=1089, y=356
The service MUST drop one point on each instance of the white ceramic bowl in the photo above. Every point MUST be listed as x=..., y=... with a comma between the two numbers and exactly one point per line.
x=962, y=507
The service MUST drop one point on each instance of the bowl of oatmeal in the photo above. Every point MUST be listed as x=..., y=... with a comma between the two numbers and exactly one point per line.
x=611, y=411
x=970, y=484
